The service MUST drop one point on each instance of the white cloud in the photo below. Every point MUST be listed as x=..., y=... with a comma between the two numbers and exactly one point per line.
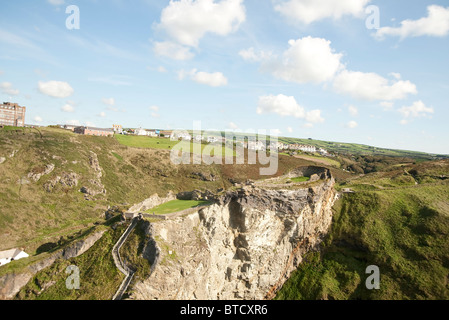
x=232, y=126
x=306, y=60
x=416, y=110
x=154, y=108
x=90, y=124
x=387, y=105
x=290, y=129
x=38, y=119
x=173, y=50
x=352, y=125
x=108, y=101
x=250, y=55
x=436, y=24
x=57, y=89
x=371, y=86
x=68, y=108
x=187, y=21
x=287, y=107
x=7, y=88
x=353, y=111
x=215, y=79
x=56, y=2
x=102, y=114
x=275, y=132
x=161, y=69
x=308, y=11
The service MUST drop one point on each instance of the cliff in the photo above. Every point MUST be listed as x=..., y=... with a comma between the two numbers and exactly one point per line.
x=244, y=246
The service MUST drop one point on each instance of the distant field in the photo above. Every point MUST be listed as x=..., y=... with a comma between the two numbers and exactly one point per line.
x=175, y=206
x=159, y=143
x=322, y=160
x=300, y=179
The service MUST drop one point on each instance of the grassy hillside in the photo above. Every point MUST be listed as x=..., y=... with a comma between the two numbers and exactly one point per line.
x=33, y=213
x=398, y=221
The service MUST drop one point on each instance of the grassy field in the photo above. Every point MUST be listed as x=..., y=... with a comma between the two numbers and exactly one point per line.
x=323, y=160
x=300, y=179
x=176, y=206
x=402, y=229
x=164, y=144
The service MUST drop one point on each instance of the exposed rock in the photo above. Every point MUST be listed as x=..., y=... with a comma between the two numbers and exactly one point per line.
x=2, y=159
x=95, y=164
x=23, y=181
x=13, y=153
x=203, y=176
x=242, y=247
x=35, y=176
x=195, y=195
x=152, y=202
x=68, y=179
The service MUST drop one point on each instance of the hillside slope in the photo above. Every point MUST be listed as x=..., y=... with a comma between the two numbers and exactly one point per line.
x=398, y=221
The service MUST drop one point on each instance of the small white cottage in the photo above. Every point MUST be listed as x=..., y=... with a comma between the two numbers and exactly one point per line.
x=11, y=255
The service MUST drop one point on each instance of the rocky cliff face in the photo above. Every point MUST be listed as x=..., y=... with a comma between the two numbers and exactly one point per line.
x=242, y=247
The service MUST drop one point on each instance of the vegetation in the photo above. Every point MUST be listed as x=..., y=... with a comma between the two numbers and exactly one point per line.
x=176, y=206
x=402, y=229
x=300, y=179
x=99, y=277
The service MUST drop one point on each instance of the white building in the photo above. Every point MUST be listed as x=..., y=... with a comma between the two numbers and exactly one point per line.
x=10, y=255
x=141, y=132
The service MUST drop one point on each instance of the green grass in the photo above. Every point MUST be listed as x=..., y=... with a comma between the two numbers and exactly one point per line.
x=99, y=277
x=176, y=206
x=165, y=144
x=402, y=230
x=322, y=160
x=300, y=179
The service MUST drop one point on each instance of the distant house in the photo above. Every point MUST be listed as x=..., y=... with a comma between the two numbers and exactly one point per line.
x=69, y=127
x=11, y=255
x=141, y=132
x=117, y=128
x=91, y=131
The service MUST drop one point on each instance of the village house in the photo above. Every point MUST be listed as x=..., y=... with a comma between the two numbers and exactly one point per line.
x=180, y=135
x=141, y=132
x=91, y=131
x=11, y=255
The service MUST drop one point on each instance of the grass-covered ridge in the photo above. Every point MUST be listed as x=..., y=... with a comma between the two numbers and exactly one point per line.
x=402, y=228
x=176, y=206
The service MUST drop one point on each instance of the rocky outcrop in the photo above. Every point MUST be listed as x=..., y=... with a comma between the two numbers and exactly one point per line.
x=152, y=202
x=195, y=195
x=36, y=175
x=2, y=159
x=242, y=247
x=67, y=179
x=10, y=284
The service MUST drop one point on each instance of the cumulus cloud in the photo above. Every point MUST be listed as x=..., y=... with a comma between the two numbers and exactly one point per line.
x=108, y=101
x=290, y=129
x=371, y=86
x=57, y=89
x=308, y=11
x=154, y=111
x=436, y=24
x=306, y=60
x=38, y=119
x=7, y=88
x=287, y=106
x=187, y=21
x=232, y=126
x=352, y=125
x=215, y=79
x=68, y=108
x=173, y=50
x=416, y=110
x=73, y=122
x=102, y=114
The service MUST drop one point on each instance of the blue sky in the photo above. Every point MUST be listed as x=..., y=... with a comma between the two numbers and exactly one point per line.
x=305, y=68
